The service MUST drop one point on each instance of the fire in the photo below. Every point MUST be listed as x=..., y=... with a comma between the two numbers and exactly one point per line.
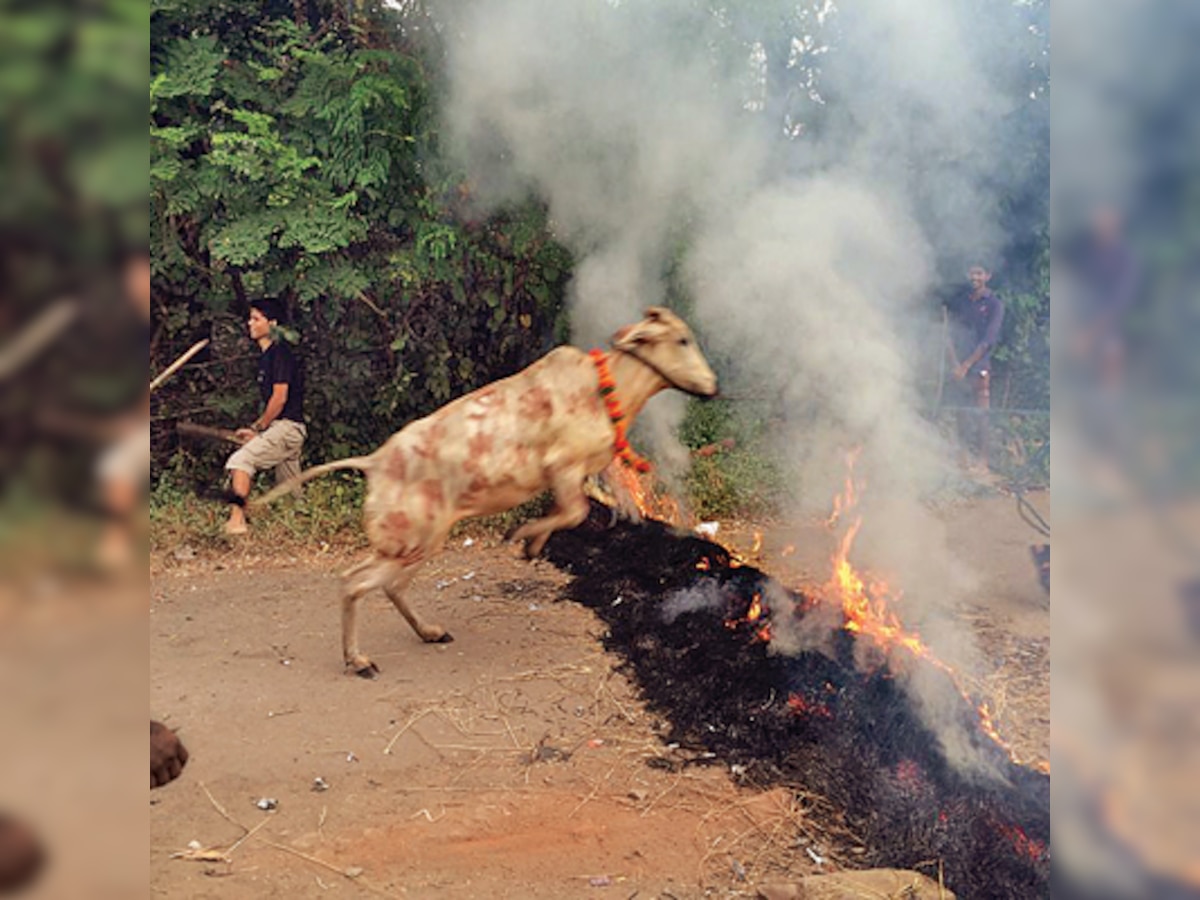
x=1031, y=847
x=866, y=605
x=651, y=503
x=756, y=609
x=754, y=613
x=799, y=706
x=848, y=498
x=704, y=565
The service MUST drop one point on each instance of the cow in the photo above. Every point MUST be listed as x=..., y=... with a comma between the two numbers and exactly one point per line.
x=550, y=426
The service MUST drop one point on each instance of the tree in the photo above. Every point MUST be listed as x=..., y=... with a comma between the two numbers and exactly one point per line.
x=294, y=154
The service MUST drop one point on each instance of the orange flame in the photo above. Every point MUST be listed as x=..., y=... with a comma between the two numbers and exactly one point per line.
x=865, y=604
x=800, y=706
x=754, y=613
x=1023, y=843
x=651, y=503
x=848, y=498
x=755, y=610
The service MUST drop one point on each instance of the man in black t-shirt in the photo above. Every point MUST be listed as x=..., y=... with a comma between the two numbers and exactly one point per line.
x=275, y=438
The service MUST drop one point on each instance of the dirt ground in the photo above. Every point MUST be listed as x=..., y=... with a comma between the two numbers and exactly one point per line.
x=513, y=762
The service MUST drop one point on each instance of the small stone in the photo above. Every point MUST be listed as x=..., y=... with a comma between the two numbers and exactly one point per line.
x=320, y=784
x=267, y=803
x=353, y=871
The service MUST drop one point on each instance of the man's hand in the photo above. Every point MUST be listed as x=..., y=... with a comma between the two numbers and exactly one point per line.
x=961, y=372
x=245, y=434
x=167, y=755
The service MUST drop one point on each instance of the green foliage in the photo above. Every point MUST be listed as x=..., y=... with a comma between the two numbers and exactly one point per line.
x=743, y=480
x=299, y=159
x=1023, y=356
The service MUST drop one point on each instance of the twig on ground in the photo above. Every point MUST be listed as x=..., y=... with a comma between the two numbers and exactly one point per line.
x=355, y=879
x=592, y=794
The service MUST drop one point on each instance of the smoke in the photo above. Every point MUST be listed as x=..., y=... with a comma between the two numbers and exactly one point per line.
x=646, y=128
x=707, y=595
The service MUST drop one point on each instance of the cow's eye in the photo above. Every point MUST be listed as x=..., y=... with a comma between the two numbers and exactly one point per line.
x=683, y=342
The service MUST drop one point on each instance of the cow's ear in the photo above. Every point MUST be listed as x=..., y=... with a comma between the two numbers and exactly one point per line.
x=632, y=335
x=654, y=313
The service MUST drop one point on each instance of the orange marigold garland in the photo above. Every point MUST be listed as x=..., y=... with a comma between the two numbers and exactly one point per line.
x=608, y=393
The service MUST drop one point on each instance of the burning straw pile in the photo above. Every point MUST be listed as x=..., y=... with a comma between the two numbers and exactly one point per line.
x=695, y=631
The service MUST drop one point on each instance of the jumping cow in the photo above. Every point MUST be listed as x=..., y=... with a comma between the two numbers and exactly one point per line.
x=549, y=426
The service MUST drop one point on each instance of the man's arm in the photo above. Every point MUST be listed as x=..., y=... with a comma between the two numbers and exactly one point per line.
x=279, y=395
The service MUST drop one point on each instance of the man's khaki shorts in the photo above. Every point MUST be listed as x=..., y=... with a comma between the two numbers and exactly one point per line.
x=127, y=459
x=276, y=448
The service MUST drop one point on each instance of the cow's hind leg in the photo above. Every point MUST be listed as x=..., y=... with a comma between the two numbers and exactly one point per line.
x=430, y=633
x=372, y=572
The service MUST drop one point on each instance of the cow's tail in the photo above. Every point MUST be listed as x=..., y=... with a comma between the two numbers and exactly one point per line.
x=364, y=463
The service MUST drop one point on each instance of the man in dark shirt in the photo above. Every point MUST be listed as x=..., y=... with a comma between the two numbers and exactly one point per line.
x=975, y=330
x=275, y=438
x=1107, y=283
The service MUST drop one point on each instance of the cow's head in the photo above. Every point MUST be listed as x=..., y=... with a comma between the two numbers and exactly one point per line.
x=664, y=342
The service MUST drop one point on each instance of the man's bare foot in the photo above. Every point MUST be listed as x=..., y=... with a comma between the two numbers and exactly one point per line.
x=21, y=855
x=236, y=526
x=168, y=756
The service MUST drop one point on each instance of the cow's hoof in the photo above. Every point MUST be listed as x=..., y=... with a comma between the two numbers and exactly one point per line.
x=369, y=671
x=446, y=638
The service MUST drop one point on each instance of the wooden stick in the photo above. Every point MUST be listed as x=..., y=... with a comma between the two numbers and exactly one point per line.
x=191, y=429
x=35, y=336
x=178, y=364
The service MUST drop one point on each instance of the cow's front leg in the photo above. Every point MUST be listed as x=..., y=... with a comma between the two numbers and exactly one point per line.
x=570, y=509
x=614, y=480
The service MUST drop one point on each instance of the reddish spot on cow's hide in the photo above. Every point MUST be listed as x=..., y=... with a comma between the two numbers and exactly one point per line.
x=396, y=467
x=395, y=527
x=435, y=498
x=477, y=488
x=427, y=447
x=479, y=446
x=536, y=404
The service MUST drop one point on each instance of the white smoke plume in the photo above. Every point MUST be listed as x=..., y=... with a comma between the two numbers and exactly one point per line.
x=643, y=127
x=707, y=595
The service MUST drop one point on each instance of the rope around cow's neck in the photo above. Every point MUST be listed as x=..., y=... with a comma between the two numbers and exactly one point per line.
x=608, y=393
